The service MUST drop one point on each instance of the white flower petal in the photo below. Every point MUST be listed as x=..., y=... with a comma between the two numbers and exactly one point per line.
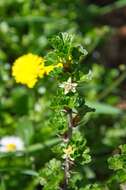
x=69, y=80
x=61, y=85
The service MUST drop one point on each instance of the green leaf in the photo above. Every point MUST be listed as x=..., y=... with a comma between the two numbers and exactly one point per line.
x=51, y=175
x=25, y=130
x=87, y=77
x=30, y=172
x=92, y=187
x=115, y=162
x=83, y=107
x=78, y=51
x=102, y=108
x=121, y=176
x=81, y=151
x=62, y=43
x=123, y=148
x=51, y=58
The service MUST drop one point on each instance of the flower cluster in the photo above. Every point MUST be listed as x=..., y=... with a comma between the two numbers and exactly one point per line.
x=28, y=68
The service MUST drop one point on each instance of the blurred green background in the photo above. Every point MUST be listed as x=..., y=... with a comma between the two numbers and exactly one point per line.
x=26, y=26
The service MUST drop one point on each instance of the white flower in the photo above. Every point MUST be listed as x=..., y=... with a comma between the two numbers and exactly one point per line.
x=68, y=86
x=11, y=143
x=68, y=152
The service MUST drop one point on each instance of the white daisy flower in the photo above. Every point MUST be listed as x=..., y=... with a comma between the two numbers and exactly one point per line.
x=11, y=144
x=68, y=86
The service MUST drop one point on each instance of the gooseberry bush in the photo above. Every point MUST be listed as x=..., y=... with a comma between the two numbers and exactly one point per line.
x=68, y=108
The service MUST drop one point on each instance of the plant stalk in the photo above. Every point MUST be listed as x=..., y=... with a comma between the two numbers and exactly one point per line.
x=67, y=161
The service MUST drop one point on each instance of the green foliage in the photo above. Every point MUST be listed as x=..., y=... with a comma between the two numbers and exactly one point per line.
x=118, y=164
x=72, y=33
x=62, y=44
x=25, y=130
x=92, y=187
x=52, y=175
x=65, y=107
x=81, y=152
x=118, y=158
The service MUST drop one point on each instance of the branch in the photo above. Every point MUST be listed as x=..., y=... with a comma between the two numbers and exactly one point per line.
x=67, y=161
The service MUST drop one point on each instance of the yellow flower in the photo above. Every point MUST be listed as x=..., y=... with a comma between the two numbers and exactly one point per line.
x=48, y=69
x=68, y=151
x=27, y=69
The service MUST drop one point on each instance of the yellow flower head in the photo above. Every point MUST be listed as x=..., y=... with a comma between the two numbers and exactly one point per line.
x=27, y=69
x=68, y=151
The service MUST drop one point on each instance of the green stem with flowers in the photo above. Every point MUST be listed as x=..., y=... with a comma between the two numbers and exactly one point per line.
x=66, y=139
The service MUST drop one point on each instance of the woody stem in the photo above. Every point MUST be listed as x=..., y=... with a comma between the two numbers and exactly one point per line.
x=67, y=162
